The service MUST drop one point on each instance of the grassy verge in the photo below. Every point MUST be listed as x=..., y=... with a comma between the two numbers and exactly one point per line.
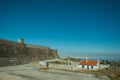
x=98, y=72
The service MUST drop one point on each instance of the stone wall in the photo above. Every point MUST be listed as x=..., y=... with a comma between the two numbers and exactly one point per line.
x=13, y=53
x=54, y=52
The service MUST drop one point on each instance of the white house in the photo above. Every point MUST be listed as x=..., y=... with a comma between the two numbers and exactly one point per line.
x=89, y=64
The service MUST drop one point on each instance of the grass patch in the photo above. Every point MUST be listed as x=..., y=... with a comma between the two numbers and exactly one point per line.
x=58, y=62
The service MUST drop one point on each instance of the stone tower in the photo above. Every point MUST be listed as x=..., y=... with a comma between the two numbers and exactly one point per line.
x=21, y=41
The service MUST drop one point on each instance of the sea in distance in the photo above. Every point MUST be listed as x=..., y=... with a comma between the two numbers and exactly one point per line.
x=109, y=57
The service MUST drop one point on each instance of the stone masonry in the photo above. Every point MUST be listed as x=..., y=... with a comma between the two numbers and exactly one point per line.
x=14, y=53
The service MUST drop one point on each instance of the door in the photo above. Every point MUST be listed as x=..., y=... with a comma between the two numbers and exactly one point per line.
x=88, y=67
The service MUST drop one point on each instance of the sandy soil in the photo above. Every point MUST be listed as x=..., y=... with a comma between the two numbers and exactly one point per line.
x=31, y=72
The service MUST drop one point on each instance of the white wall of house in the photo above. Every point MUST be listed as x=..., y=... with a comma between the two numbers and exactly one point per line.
x=97, y=67
x=89, y=67
x=103, y=66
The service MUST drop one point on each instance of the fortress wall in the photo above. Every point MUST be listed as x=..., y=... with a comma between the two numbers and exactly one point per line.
x=39, y=54
x=13, y=53
x=42, y=51
x=11, y=49
x=2, y=41
x=36, y=46
x=54, y=52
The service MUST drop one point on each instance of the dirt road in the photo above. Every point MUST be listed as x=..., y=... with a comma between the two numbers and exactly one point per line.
x=31, y=72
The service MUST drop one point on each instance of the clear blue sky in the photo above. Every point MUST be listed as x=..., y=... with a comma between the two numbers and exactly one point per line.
x=74, y=27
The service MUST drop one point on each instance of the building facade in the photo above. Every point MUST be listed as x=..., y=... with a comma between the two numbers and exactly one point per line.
x=89, y=64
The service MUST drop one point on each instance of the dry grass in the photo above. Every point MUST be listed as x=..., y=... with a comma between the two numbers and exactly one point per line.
x=113, y=75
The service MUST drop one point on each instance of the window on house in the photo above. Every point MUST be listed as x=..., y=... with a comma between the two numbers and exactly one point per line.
x=92, y=67
x=82, y=66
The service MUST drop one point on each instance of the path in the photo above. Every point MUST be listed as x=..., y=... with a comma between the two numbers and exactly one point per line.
x=31, y=72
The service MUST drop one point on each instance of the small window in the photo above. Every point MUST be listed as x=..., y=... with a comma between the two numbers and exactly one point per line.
x=82, y=66
x=92, y=67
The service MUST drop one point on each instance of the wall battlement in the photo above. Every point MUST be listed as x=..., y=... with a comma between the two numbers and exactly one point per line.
x=13, y=53
x=37, y=46
x=3, y=41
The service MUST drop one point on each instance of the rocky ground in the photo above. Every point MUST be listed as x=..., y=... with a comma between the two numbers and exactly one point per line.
x=32, y=72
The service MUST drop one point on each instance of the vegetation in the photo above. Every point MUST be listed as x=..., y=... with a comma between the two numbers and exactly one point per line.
x=104, y=62
x=72, y=59
x=115, y=63
x=58, y=62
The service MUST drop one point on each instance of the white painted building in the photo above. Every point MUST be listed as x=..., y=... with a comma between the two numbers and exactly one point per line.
x=89, y=64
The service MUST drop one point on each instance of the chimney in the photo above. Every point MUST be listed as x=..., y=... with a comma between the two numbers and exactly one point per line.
x=86, y=60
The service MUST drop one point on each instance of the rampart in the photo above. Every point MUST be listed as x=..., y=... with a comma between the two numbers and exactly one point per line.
x=13, y=53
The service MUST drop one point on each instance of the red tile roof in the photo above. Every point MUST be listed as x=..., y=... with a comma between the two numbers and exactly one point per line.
x=89, y=62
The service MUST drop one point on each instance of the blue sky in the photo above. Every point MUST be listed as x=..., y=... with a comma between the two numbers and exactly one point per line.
x=74, y=27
